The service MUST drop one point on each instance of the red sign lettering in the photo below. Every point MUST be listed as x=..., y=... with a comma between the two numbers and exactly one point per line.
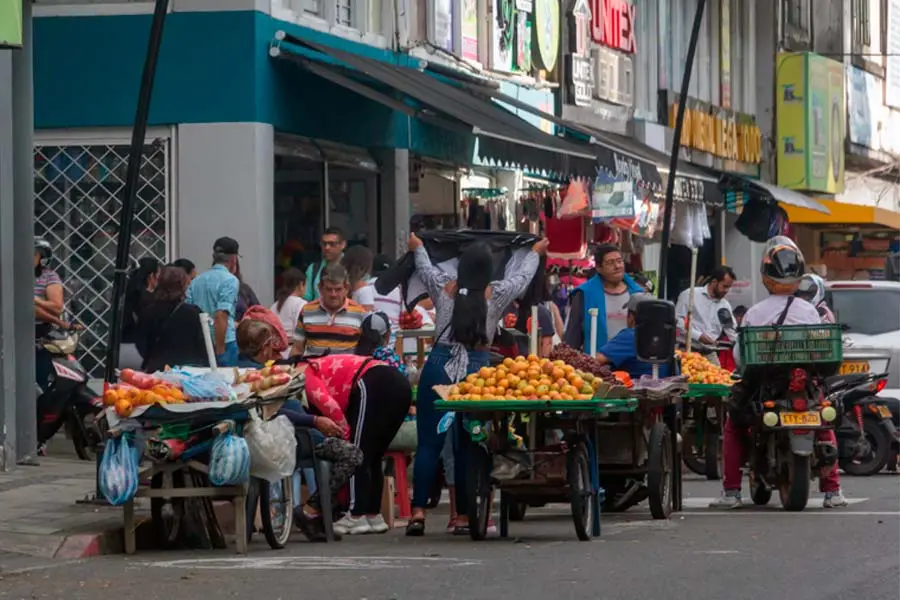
x=612, y=24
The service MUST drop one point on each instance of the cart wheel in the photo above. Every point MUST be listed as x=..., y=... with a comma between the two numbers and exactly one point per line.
x=659, y=471
x=582, y=502
x=517, y=510
x=167, y=513
x=276, y=510
x=713, y=461
x=478, y=484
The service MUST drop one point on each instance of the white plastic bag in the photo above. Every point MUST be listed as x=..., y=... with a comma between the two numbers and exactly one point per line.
x=683, y=227
x=119, y=471
x=701, y=227
x=273, y=448
x=229, y=460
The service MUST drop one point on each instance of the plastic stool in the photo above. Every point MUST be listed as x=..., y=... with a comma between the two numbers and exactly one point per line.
x=401, y=500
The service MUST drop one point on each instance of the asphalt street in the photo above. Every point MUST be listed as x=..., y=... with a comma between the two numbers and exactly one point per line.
x=699, y=554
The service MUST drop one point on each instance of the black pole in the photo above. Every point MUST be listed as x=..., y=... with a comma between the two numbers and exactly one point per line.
x=662, y=275
x=126, y=215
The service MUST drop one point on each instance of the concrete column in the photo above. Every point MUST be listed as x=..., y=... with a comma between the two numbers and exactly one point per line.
x=395, y=204
x=23, y=217
x=7, y=262
x=225, y=186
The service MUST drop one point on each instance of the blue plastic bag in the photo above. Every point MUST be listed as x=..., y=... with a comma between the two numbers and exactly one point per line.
x=229, y=460
x=119, y=471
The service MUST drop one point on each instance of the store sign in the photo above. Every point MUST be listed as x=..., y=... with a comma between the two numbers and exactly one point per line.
x=724, y=133
x=546, y=25
x=612, y=24
x=613, y=76
x=580, y=67
x=690, y=190
x=892, y=60
x=810, y=122
x=725, y=53
x=11, y=23
x=864, y=108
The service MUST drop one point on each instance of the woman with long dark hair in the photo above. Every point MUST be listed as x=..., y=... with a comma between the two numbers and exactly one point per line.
x=138, y=295
x=246, y=296
x=358, y=262
x=170, y=331
x=469, y=308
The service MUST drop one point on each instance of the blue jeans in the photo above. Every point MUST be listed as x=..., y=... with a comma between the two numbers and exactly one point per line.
x=431, y=443
x=229, y=358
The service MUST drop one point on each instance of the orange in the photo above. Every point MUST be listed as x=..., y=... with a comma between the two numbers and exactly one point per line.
x=529, y=390
x=490, y=382
x=503, y=384
x=508, y=362
x=123, y=408
x=569, y=369
x=110, y=397
x=533, y=358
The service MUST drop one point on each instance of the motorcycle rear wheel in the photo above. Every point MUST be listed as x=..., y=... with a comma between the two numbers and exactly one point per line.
x=793, y=483
x=75, y=430
x=880, y=444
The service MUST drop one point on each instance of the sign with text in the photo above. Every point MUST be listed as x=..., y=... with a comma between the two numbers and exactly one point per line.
x=613, y=76
x=579, y=62
x=11, y=23
x=892, y=60
x=612, y=24
x=718, y=131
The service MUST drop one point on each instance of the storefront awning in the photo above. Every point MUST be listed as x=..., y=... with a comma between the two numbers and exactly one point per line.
x=504, y=139
x=842, y=213
x=730, y=182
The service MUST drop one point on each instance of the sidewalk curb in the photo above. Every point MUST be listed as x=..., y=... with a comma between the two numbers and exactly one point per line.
x=75, y=546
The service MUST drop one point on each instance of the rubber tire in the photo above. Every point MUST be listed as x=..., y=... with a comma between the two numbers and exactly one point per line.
x=276, y=541
x=759, y=494
x=794, y=494
x=881, y=451
x=713, y=459
x=578, y=473
x=479, y=491
x=693, y=462
x=659, y=471
x=166, y=537
x=517, y=511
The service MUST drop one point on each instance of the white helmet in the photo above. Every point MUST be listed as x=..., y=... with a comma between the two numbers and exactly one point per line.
x=812, y=288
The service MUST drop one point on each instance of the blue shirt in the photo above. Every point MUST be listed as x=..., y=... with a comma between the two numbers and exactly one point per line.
x=215, y=291
x=622, y=353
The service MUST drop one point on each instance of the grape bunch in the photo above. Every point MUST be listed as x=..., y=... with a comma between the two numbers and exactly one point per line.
x=582, y=362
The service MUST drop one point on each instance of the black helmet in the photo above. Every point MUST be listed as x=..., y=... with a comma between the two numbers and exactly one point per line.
x=44, y=249
x=782, y=266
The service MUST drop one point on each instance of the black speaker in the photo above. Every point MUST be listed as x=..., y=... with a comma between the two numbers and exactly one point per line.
x=654, y=331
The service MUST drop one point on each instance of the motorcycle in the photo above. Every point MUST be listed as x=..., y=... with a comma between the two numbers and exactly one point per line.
x=782, y=448
x=68, y=401
x=866, y=431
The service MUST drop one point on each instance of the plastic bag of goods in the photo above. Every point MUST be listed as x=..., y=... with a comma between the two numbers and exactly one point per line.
x=118, y=471
x=273, y=448
x=229, y=460
x=201, y=387
x=683, y=227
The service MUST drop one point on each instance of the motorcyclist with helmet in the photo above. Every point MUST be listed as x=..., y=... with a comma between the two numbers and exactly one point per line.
x=49, y=304
x=812, y=289
x=782, y=269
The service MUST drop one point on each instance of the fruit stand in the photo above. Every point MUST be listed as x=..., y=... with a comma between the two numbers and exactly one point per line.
x=704, y=413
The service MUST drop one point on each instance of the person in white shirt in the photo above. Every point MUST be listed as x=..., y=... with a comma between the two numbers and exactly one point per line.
x=712, y=317
x=782, y=269
x=289, y=301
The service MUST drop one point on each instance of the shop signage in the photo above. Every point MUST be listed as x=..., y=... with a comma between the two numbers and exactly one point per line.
x=689, y=189
x=613, y=76
x=724, y=133
x=612, y=24
x=11, y=23
x=580, y=68
x=810, y=118
x=546, y=25
x=892, y=60
x=725, y=53
x=864, y=108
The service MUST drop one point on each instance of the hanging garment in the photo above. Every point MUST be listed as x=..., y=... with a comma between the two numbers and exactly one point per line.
x=567, y=240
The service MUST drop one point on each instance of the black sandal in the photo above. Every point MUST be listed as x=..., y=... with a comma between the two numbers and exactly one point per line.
x=462, y=530
x=415, y=528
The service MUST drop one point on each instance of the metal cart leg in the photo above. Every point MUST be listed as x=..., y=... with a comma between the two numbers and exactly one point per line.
x=596, y=491
x=504, y=515
x=130, y=542
x=240, y=522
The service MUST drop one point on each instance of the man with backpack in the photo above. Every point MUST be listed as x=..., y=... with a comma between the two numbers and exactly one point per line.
x=333, y=244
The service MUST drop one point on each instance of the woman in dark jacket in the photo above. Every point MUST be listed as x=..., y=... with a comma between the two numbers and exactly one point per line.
x=138, y=294
x=170, y=329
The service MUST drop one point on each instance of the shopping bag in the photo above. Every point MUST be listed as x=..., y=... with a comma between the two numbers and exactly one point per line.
x=119, y=471
x=406, y=439
x=273, y=447
x=229, y=460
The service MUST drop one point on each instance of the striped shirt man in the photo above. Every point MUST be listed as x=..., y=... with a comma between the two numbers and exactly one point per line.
x=319, y=331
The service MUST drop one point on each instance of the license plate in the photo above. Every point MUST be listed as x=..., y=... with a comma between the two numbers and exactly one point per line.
x=885, y=412
x=800, y=419
x=849, y=368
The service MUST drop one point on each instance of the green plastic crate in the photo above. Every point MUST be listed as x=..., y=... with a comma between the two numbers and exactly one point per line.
x=791, y=345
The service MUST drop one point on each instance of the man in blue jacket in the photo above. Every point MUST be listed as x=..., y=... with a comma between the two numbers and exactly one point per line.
x=608, y=291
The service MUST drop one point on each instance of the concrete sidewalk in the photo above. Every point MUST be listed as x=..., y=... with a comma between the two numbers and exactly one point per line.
x=40, y=514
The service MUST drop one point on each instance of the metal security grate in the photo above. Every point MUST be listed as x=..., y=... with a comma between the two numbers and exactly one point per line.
x=78, y=193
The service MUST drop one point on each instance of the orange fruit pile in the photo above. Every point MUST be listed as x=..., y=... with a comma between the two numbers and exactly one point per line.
x=126, y=398
x=699, y=370
x=527, y=378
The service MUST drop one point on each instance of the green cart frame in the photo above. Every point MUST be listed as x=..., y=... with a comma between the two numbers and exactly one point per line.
x=576, y=483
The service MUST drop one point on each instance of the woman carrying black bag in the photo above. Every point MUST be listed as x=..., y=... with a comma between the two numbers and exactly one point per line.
x=170, y=331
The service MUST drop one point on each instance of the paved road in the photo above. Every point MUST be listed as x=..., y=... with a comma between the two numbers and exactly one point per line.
x=700, y=554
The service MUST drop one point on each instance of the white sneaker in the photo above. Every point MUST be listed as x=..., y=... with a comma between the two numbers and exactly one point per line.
x=377, y=524
x=728, y=500
x=349, y=525
x=834, y=500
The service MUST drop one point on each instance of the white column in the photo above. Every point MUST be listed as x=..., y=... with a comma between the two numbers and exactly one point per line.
x=225, y=184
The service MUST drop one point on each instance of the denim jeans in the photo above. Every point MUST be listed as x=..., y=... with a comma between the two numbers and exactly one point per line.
x=431, y=443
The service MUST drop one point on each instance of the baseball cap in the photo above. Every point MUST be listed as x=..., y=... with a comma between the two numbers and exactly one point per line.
x=636, y=299
x=226, y=245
